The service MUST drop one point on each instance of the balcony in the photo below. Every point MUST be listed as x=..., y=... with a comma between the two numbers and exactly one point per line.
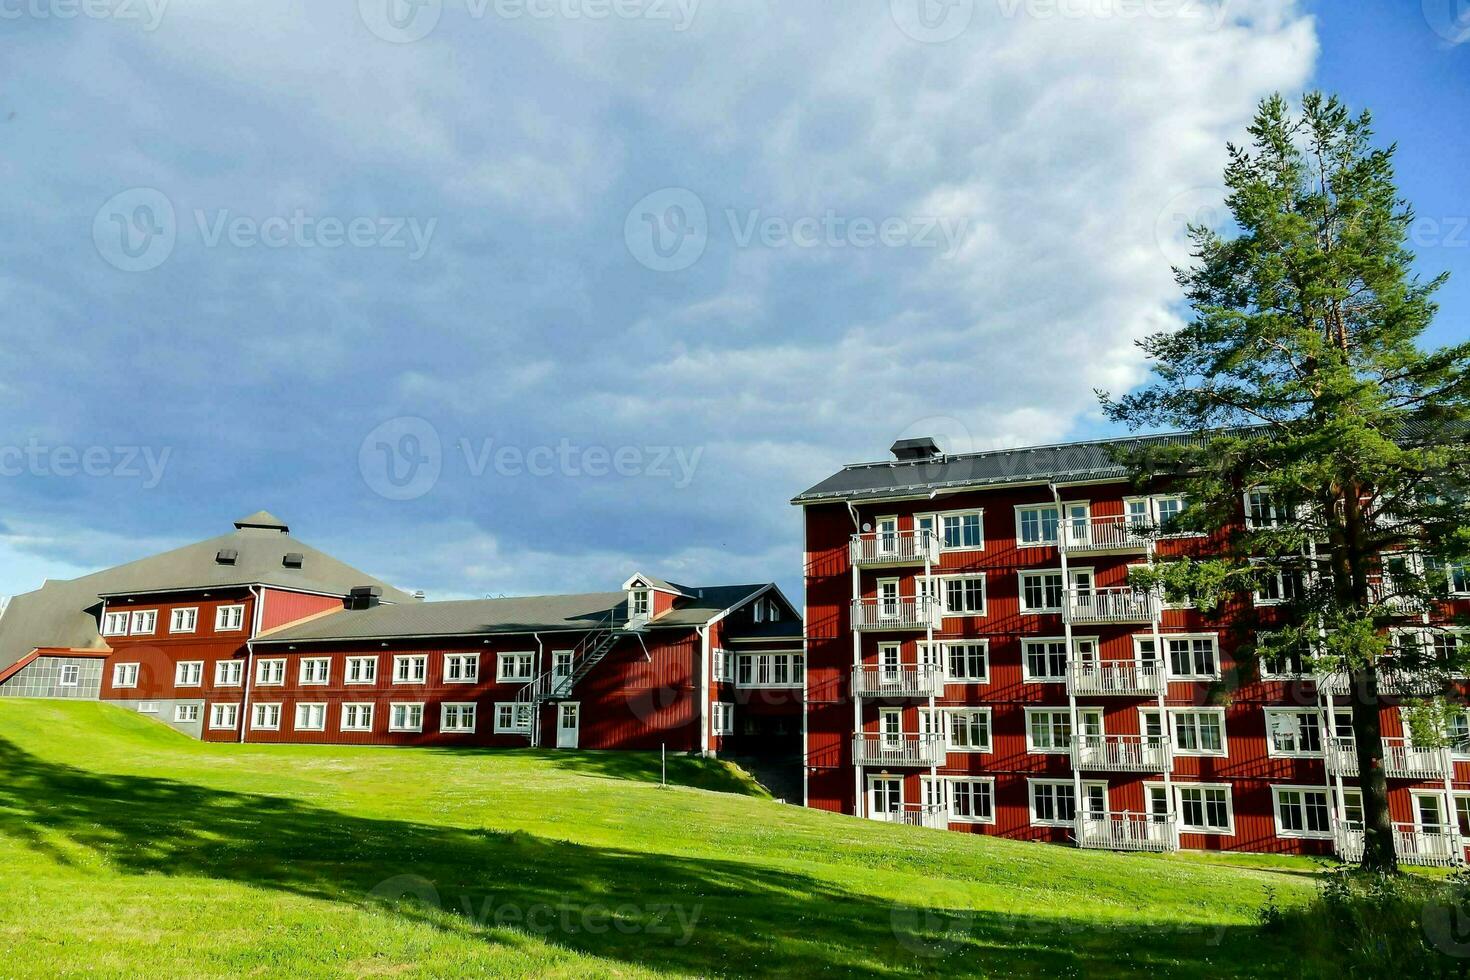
x=1113, y=605
x=1427, y=848
x=922, y=681
x=1126, y=832
x=907, y=613
x=874, y=749
x=1121, y=753
x=929, y=815
x=1400, y=759
x=1118, y=535
x=1120, y=678
x=877, y=548
x=1391, y=680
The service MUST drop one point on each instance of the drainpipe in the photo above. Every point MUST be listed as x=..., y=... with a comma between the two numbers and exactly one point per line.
x=1166, y=730
x=1079, y=808
x=255, y=616
x=704, y=690
x=535, y=706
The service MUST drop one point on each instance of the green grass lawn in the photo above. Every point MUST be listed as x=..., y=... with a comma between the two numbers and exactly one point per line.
x=126, y=848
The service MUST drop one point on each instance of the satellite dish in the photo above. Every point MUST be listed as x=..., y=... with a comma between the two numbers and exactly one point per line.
x=867, y=527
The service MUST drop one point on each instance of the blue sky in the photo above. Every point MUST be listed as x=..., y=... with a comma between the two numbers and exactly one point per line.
x=512, y=296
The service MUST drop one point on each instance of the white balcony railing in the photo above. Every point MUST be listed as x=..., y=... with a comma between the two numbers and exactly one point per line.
x=894, y=548
x=1100, y=535
x=1429, y=847
x=1126, y=832
x=1348, y=842
x=1113, y=605
x=1391, y=680
x=908, y=681
x=929, y=815
x=875, y=749
x=1121, y=753
x=905, y=613
x=1123, y=678
x=1401, y=760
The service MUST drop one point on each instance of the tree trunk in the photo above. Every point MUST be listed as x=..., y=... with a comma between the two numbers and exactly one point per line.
x=1378, y=850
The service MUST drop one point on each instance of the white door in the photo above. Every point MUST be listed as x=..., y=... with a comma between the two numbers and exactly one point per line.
x=888, y=598
x=885, y=798
x=561, y=670
x=1079, y=529
x=888, y=656
x=887, y=535
x=568, y=724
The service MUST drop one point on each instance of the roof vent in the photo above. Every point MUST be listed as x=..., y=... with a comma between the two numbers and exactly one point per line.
x=419, y=595
x=364, y=596
x=227, y=556
x=293, y=559
x=915, y=449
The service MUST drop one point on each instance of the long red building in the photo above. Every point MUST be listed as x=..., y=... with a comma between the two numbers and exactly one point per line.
x=977, y=660
x=255, y=636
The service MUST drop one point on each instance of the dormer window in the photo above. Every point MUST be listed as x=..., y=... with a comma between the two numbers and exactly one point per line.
x=639, y=604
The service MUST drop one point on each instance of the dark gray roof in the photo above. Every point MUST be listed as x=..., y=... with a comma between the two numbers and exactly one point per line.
x=1036, y=464
x=474, y=617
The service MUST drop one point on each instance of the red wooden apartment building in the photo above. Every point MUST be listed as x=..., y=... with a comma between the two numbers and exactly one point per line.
x=976, y=660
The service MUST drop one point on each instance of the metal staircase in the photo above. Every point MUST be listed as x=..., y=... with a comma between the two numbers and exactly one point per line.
x=553, y=685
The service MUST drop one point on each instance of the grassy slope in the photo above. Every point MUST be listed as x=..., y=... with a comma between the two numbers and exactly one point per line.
x=125, y=847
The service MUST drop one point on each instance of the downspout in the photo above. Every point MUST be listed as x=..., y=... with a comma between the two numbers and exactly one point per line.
x=704, y=689
x=255, y=616
x=1079, y=804
x=535, y=705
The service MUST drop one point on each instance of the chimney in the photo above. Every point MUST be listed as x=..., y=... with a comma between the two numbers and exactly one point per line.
x=364, y=596
x=911, y=450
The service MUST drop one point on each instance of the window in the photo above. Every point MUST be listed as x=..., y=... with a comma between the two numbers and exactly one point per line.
x=1045, y=659
x=189, y=673
x=514, y=667
x=968, y=729
x=961, y=531
x=1205, y=809
x=722, y=667
x=266, y=717
x=1054, y=802
x=115, y=624
x=311, y=717
x=70, y=674
x=1302, y=811
x=456, y=717
x=228, y=673
x=1036, y=525
x=186, y=713
x=1167, y=509
x=183, y=620
x=410, y=669
x=147, y=707
x=315, y=670
x=270, y=672
x=1260, y=510
x=228, y=618
x=224, y=715
x=1041, y=592
x=638, y=603
x=1199, y=731
x=770, y=670
x=1278, y=586
x=967, y=662
x=972, y=800
x=1352, y=808
x=512, y=717
x=124, y=675
x=1048, y=730
x=362, y=670
x=1190, y=657
x=963, y=595
x=461, y=668
x=1283, y=665
x=145, y=621
x=357, y=717
x=1459, y=576
x=406, y=718
x=722, y=719
x=1293, y=732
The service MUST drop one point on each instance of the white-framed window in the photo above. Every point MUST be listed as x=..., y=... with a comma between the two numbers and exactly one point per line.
x=1048, y=730
x=1261, y=511
x=229, y=673
x=639, y=603
x=265, y=717
x=1044, y=658
x=145, y=622
x=147, y=707
x=412, y=668
x=1191, y=656
x=1198, y=731
x=183, y=620
x=362, y=670
x=1036, y=524
x=515, y=667
x=1302, y=811
x=722, y=718
x=1041, y=591
x=357, y=716
x=962, y=595
x=457, y=716
x=1278, y=586
x=461, y=668
x=1205, y=808
x=186, y=714
x=189, y=673
x=406, y=717
x=722, y=666
x=228, y=618
x=270, y=672
x=967, y=729
x=311, y=717
x=316, y=670
x=770, y=670
x=962, y=530
x=115, y=624
x=512, y=718
x=1293, y=733
x=1054, y=801
x=70, y=675
x=963, y=661
x=970, y=799
x=124, y=675
x=224, y=715
x=1284, y=666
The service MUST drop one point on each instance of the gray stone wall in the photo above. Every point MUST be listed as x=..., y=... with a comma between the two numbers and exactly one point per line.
x=43, y=678
x=166, y=710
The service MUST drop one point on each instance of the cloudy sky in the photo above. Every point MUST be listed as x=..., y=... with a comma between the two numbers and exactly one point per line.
x=510, y=296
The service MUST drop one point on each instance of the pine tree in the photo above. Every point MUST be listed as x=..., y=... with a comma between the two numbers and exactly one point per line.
x=1319, y=412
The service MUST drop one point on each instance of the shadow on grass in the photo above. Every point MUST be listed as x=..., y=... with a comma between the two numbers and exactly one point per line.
x=646, y=767
x=649, y=910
